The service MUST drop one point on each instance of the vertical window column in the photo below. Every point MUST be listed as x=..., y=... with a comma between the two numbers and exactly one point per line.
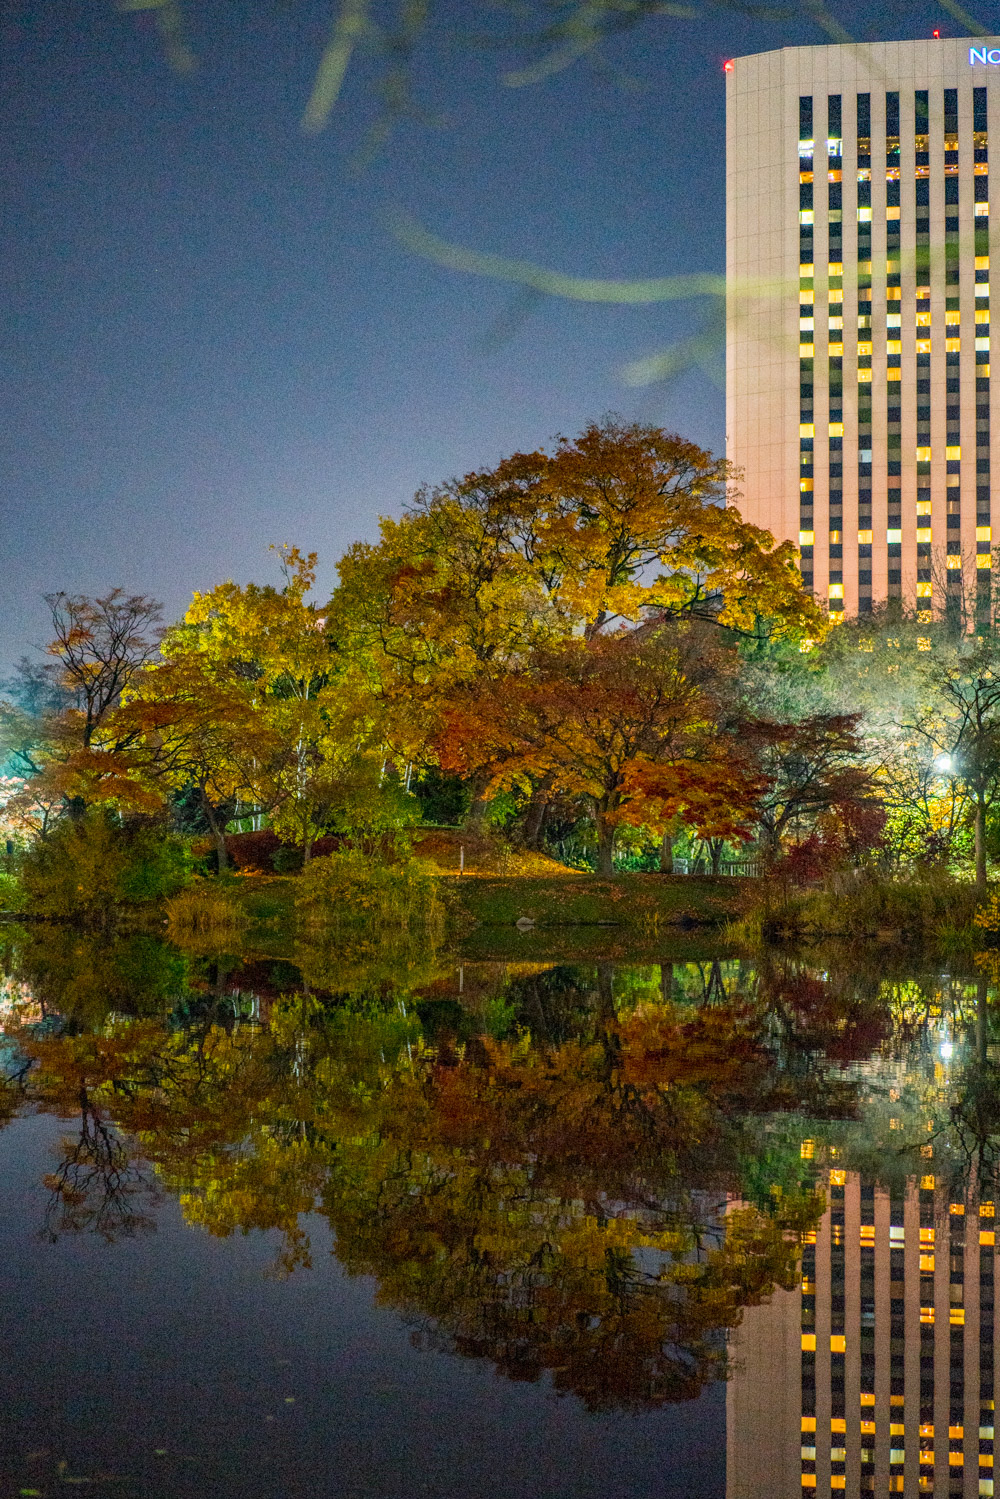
x=808, y=1337
x=835, y=313
x=893, y=345
x=956, y=1371
x=864, y=344
x=987, y=1241
x=980, y=220
x=921, y=147
x=807, y=326
x=953, y=346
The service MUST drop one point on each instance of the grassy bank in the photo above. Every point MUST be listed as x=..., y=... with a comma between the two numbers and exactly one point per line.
x=634, y=902
x=929, y=908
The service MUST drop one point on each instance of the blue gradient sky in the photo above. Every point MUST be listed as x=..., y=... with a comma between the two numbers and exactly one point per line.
x=211, y=342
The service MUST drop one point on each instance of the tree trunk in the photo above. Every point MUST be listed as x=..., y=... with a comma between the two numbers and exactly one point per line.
x=666, y=982
x=667, y=850
x=218, y=833
x=605, y=845
x=715, y=847
x=476, y=815
x=981, y=844
x=534, y=817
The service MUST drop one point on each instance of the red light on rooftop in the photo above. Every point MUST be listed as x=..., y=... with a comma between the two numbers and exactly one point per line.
x=728, y=66
x=937, y=32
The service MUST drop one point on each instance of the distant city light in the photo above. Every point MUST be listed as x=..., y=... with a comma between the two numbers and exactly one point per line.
x=947, y=1051
x=945, y=763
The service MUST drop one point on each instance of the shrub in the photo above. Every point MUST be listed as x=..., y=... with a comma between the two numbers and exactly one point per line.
x=11, y=893
x=926, y=904
x=86, y=870
x=349, y=889
x=205, y=907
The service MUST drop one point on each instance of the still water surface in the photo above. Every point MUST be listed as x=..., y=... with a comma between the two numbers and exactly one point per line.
x=493, y=1229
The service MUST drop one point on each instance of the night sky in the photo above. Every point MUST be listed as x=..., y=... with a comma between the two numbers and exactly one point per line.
x=212, y=340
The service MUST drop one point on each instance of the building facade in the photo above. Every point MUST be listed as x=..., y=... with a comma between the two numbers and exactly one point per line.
x=877, y=1375
x=859, y=400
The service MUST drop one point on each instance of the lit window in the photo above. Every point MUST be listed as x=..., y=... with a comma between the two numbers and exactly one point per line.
x=923, y=455
x=836, y=536
x=893, y=536
x=809, y=1342
x=807, y=429
x=954, y=562
x=838, y=1343
x=806, y=538
x=864, y=537
x=836, y=590
x=953, y=452
x=838, y=1178
x=927, y=1314
x=984, y=533
x=836, y=429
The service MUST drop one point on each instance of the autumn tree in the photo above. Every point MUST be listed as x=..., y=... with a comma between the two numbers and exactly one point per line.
x=962, y=731
x=608, y=720
x=192, y=728
x=489, y=575
x=99, y=645
x=808, y=768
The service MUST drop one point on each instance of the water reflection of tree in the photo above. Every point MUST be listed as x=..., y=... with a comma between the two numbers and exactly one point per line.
x=588, y=1180
x=99, y=1185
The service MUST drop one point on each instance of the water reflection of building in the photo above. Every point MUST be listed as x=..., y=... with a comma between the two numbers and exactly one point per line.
x=876, y=1376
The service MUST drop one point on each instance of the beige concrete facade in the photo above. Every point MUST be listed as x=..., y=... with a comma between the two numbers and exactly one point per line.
x=915, y=518
x=876, y=1377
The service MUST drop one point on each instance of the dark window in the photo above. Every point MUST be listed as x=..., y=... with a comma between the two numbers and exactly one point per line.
x=951, y=111
x=834, y=127
x=979, y=109
x=924, y=190
x=892, y=114
x=921, y=113
x=950, y=189
x=806, y=119
x=865, y=114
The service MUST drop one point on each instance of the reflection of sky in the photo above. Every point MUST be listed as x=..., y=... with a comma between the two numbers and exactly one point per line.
x=210, y=343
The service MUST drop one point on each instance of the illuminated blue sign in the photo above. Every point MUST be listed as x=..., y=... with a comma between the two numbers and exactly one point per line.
x=984, y=54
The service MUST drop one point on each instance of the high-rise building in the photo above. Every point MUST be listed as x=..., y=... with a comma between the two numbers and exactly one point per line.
x=876, y=1377
x=858, y=344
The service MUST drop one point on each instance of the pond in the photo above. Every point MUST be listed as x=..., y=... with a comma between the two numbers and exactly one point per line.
x=689, y=1226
